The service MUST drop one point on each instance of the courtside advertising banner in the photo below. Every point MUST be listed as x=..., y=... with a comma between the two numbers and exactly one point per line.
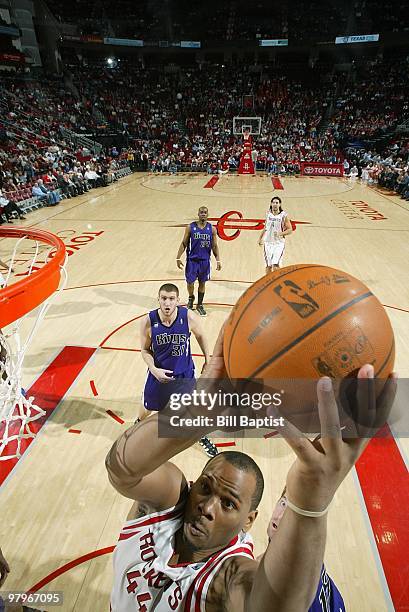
x=190, y=44
x=124, y=42
x=321, y=169
x=276, y=42
x=347, y=40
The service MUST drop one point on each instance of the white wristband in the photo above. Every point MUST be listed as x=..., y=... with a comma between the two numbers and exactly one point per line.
x=308, y=513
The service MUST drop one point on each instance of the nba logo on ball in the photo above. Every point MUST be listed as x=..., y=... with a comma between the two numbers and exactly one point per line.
x=296, y=298
x=303, y=322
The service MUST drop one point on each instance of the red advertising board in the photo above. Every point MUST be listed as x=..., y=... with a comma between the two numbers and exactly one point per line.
x=321, y=169
x=12, y=57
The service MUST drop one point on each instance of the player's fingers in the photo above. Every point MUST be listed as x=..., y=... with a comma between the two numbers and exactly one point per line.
x=386, y=399
x=167, y=376
x=365, y=399
x=295, y=439
x=328, y=414
x=384, y=405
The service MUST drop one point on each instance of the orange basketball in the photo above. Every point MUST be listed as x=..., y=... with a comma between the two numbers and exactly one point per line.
x=307, y=321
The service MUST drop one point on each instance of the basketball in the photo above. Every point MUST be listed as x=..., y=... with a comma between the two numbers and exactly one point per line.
x=303, y=322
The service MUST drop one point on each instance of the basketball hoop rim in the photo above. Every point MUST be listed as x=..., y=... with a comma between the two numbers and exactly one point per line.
x=18, y=299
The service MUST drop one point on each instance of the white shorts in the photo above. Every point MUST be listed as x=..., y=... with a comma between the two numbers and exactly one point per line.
x=273, y=253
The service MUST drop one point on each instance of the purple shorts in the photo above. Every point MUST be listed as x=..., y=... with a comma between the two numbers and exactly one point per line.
x=197, y=269
x=156, y=395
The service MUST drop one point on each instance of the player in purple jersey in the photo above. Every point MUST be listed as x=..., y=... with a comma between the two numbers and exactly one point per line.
x=199, y=241
x=327, y=597
x=165, y=343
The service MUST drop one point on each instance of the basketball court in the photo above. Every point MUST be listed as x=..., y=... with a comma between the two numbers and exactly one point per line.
x=60, y=516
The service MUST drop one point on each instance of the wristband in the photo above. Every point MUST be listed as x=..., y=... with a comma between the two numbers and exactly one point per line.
x=308, y=513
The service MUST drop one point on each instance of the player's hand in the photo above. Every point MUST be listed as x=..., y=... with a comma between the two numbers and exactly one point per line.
x=323, y=464
x=179, y=264
x=162, y=375
x=215, y=368
x=4, y=569
x=219, y=266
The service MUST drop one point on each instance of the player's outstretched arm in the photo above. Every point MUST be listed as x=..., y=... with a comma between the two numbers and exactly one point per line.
x=182, y=247
x=139, y=469
x=138, y=463
x=287, y=576
x=215, y=249
x=196, y=328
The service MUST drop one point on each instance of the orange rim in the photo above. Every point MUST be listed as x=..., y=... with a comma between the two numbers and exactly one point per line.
x=19, y=298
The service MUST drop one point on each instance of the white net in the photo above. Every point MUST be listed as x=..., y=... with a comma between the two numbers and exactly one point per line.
x=19, y=413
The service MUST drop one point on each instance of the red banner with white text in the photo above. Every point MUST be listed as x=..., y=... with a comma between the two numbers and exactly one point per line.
x=321, y=169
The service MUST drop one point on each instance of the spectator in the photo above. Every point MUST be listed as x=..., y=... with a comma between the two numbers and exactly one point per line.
x=92, y=177
x=43, y=194
x=7, y=207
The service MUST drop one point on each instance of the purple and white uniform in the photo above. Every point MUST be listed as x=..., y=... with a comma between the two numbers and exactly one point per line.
x=171, y=351
x=198, y=253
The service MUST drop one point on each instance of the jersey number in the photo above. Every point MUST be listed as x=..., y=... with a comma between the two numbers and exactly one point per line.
x=140, y=599
x=178, y=350
x=131, y=588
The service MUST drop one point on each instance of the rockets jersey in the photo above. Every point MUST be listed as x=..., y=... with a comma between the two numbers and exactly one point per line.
x=200, y=241
x=171, y=345
x=143, y=578
x=327, y=598
x=274, y=223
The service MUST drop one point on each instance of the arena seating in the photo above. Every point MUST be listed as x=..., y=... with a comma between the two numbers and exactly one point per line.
x=182, y=121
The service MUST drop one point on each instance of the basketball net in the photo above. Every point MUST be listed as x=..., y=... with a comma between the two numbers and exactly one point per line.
x=246, y=134
x=17, y=412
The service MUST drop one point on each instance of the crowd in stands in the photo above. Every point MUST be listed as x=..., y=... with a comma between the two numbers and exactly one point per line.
x=48, y=174
x=376, y=102
x=262, y=20
x=186, y=118
x=389, y=170
x=384, y=15
x=237, y=19
x=183, y=121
